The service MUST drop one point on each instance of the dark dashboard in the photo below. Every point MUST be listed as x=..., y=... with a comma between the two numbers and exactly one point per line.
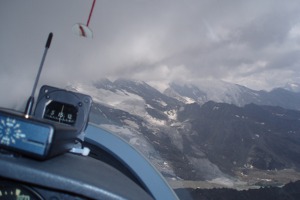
x=66, y=176
x=113, y=170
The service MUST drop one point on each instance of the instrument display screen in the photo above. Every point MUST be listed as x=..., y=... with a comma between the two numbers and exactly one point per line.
x=61, y=112
x=23, y=134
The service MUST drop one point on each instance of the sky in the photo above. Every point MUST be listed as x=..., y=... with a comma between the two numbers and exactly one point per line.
x=252, y=43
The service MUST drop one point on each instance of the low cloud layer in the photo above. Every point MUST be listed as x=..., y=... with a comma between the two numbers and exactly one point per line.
x=253, y=43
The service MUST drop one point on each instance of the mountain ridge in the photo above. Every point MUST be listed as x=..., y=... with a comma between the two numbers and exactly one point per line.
x=195, y=141
x=233, y=94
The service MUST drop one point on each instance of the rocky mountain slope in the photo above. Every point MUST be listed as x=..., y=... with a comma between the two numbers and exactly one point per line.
x=189, y=137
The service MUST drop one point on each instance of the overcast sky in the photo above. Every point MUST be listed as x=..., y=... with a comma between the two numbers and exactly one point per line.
x=253, y=43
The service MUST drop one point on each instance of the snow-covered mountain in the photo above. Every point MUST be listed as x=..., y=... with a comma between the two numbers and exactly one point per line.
x=218, y=91
x=188, y=136
x=223, y=92
x=147, y=119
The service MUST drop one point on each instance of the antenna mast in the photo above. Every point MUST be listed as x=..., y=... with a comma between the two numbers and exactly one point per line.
x=30, y=101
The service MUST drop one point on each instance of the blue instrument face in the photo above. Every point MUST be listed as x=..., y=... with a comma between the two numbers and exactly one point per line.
x=61, y=112
x=22, y=134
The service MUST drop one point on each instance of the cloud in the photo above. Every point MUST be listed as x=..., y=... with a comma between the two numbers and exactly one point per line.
x=255, y=43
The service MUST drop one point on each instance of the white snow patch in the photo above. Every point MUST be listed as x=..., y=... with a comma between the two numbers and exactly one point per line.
x=223, y=181
x=149, y=106
x=155, y=121
x=188, y=100
x=161, y=102
x=120, y=99
x=266, y=179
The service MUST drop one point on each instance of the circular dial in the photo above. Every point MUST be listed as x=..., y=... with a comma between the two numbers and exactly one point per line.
x=61, y=112
x=10, y=131
x=10, y=191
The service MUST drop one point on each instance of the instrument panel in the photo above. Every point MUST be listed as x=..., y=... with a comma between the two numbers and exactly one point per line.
x=12, y=190
x=64, y=107
x=61, y=112
x=67, y=176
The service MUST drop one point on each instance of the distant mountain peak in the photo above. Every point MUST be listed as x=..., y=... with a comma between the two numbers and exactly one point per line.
x=224, y=92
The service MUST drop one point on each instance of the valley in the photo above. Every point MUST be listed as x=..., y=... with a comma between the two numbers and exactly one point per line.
x=255, y=179
x=204, y=144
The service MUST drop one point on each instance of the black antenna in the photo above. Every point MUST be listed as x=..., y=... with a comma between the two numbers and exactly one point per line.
x=30, y=101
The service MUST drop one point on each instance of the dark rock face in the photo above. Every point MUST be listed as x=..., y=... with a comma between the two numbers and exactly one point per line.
x=264, y=137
